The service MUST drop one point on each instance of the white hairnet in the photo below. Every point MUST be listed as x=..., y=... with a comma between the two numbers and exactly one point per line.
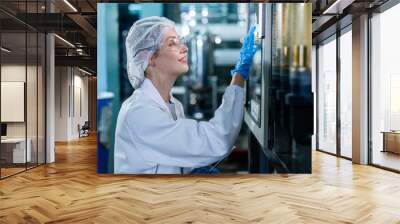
x=143, y=39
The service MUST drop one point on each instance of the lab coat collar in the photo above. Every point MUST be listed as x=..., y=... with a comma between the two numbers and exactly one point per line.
x=150, y=90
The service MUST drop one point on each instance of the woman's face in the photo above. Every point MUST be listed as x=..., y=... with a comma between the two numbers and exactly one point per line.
x=171, y=58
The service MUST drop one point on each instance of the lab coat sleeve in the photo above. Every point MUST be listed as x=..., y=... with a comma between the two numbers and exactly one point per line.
x=187, y=142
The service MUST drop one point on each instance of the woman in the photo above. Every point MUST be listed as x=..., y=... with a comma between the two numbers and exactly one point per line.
x=152, y=135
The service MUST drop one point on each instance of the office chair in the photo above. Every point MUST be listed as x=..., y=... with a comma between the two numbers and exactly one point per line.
x=84, y=130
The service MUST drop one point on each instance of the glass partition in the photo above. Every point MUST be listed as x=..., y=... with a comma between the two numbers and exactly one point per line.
x=22, y=88
x=13, y=105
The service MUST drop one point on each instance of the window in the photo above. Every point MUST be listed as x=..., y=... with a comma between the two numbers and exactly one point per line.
x=346, y=93
x=385, y=89
x=327, y=95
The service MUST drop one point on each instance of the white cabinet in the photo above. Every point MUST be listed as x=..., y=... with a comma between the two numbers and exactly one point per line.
x=18, y=149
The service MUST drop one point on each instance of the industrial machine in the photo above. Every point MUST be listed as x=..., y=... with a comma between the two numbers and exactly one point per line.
x=206, y=28
x=279, y=100
x=200, y=81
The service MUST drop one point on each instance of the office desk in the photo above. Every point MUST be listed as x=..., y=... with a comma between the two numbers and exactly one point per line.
x=15, y=148
x=391, y=141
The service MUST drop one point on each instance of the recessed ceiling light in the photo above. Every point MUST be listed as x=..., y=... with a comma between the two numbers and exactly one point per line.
x=84, y=71
x=65, y=41
x=338, y=6
x=5, y=50
x=70, y=5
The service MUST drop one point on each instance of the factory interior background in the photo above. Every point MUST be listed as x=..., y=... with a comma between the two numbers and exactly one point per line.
x=60, y=94
x=214, y=33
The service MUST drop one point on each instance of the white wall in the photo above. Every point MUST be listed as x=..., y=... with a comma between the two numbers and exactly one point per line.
x=33, y=126
x=79, y=117
x=12, y=73
x=70, y=83
x=61, y=103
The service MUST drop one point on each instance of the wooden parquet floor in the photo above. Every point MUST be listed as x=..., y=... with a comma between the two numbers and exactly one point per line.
x=70, y=191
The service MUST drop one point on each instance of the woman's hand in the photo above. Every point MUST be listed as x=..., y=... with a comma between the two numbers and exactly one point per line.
x=237, y=80
x=246, y=55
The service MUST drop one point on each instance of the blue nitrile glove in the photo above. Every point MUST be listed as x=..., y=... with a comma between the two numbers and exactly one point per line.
x=246, y=55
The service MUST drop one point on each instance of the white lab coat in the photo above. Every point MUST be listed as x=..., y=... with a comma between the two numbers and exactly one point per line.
x=148, y=140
